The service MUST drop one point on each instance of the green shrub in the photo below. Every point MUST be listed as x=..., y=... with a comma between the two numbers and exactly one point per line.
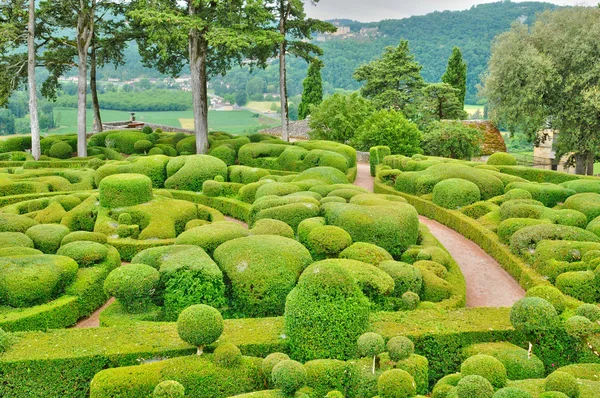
x=261, y=270
x=410, y=301
x=549, y=194
x=370, y=344
x=124, y=190
x=334, y=394
x=578, y=326
x=325, y=313
x=60, y=150
x=228, y=355
x=455, y=193
x=325, y=174
x=533, y=314
x=435, y=289
x=188, y=173
x=269, y=363
x=550, y=294
x=377, y=153
x=47, y=237
x=245, y=174
x=594, y=226
x=520, y=365
x=507, y=228
x=211, y=236
x=52, y=214
x=152, y=166
x=552, y=394
x=84, y=253
x=562, y=382
x=224, y=152
x=527, y=238
x=406, y=277
x=272, y=227
x=276, y=188
x=474, y=386
x=200, y=325
x=587, y=203
x=15, y=223
x=168, y=388
x=583, y=186
x=590, y=311
x=142, y=146
x=15, y=239
x=400, y=348
x=396, y=383
x=502, y=158
x=327, y=241
x=486, y=366
x=124, y=141
x=289, y=376
x=366, y=252
x=133, y=285
x=18, y=251
x=147, y=130
x=578, y=284
x=391, y=128
x=5, y=340
x=155, y=151
x=291, y=210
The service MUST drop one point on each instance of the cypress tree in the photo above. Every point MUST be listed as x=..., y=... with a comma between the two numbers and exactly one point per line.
x=313, y=88
x=456, y=74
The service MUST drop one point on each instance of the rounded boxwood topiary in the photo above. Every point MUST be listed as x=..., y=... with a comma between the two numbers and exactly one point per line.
x=366, y=252
x=562, y=382
x=400, y=348
x=270, y=361
x=474, y=386
x=227, y=355
x=533, y=314
x=590, y=311
x=455, y=193
x=224, y=152
x=211, y=236
x=156, y=151
x=578, y=326
x=169, y=389
x=133, y=285
x=396, y=383
x=327, y=241
x=550, y=294
x=15, y=239
x=267, y=226
x=142, y=146
x=188, y=173
x=124, y=190
x=147, y=130
x=78, y=236
x=370, y=344
x=553, y=394
x=578, y=284
x=502, y=159
x=289, y=376
x=60, y=150
x=512, y=392
x=47, y=237
x=200, y=325
x=486, y=366
x=410, y=301
x=85, y=253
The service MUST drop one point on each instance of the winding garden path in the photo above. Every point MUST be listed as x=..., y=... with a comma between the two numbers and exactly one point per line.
x=488, y=284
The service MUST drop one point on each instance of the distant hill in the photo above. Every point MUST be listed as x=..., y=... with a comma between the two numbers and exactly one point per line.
x=431, y=38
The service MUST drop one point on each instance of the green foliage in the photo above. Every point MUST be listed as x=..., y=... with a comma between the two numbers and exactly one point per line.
x=327, y=241
x=15, y=223
x=400, y=348
x=14, y=239
x=168, y=389
x=85, y=253
x=486, y=366
x=366, y=252
x=60, y=150
x=474, y=386
x=325, y=313
x=396, y=383
x=124, y=190
x=578, y=284
x=587, y=203
x=289, y=376
x=313, y=89
x=47, y=237
x=407, y=278
x=511, y=392
x=339, y=117
x=455, y=193
x=528, y=237
x=501, y=158
x=133, y=285
x=451, y=139
x=439, y=101
x=456, y=74
x=211, y=236
x=550, y=294
x=533, y=314
x=370, y=344
x=579, y=326
x=228, y=355
x=142, y=146
x=507, y=228
x=590, y=311
x=188, y=173
x=391, y=128
x=549, y=194
x=269, y=363
x=267, y=226
x=562, y=382
x=200, y=325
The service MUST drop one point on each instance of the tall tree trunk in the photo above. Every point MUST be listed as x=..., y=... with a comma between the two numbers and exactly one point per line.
x=94, y=90
x=590, y=164
x=198, y=51
x=81, y=105
x=33, y=112
x=580, y=163
x=285, y=121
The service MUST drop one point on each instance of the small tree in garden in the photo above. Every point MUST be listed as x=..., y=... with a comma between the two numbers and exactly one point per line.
x=313, y=88
x=452, y=140
x=371, y=345
x=200, y=325
x=533, y=316
x=391, y=128
x=456, y=74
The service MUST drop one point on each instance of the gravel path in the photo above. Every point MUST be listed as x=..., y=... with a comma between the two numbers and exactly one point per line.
x=488, y=284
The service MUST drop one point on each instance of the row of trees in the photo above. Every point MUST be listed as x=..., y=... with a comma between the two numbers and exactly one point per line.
x=209, y=36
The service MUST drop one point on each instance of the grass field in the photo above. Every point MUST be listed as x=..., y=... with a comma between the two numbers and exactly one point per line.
x=471, y=109
x=261, y=106
x=229, y=121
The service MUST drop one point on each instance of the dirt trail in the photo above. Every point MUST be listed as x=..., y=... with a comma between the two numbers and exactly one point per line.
x=94, y=320
x=488, y=284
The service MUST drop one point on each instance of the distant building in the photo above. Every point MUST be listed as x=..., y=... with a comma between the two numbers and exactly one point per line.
x=544, y=155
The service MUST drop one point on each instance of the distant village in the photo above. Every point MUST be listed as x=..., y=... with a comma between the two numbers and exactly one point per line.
x=345, y=32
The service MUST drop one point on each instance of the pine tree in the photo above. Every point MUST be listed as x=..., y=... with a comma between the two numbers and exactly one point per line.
x=456, y=74
x=313, y=89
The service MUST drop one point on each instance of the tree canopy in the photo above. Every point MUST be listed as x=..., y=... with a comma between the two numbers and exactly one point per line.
x=456, y=74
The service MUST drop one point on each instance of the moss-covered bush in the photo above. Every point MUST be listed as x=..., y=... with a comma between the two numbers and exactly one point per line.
x=327, y=241
x=366, y=252
x=143, y=146
x=60, y=150
x=370, y=344
x=587, y=203
x=15, y=223
x=455, y=193
x=133, y=285
x=406, y=277
x=84, y=253
x=200, y=325
x=400, y=348
x=590, y=311
x=47, y=237
x=268, y=226
x=583, y=186
x=261, y=271
x=228, y=355
x=507, y=228
x=289, y=376
x=396, y=383
x=269, y=363
x=562, y=382
x=123, y=190
x=533, y=314
x=502, y=158
x=486, y=366
x=325, y=313
x=474, y=386
x=14, y=239
x=169, y=389
x=188, y=173
x=550, y=294
x=528, y=237
x=579, y=284
x=549, y=194
x=579, y=326
x=211, y=236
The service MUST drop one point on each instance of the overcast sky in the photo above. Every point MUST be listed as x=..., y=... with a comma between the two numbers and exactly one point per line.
x=376, y=10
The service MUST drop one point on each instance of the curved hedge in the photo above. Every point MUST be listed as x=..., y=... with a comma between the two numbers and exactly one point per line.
x=455, y=193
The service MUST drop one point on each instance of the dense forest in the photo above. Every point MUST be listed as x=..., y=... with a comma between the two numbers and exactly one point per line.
x=431, y=38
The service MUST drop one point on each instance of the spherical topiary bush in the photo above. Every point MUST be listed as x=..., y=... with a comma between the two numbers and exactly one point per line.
x=366, y=252
x=474, y=386
x=550, y=294
x=455, y=193
x=156, y=151
x=147, y=130
x=400, y=348
x=169, y=389
x=410, y=301
x=396, y=383
x=124, y=190
x=269, y=363
x=85, y=253
x=268, y=226
x=325, y=313
x=188, y=173
x=502, y=159
x=142, y=146
x=533, y=314
x=133, y=285
x=407, y=278
x=590, y=311
x=200, y=325
x=289, y=376
x=327, y=241
x=224, y=152
x=562, y=382
x=228, y=355
x=511, y=392
x=578, y=326
x=370, y=344
x=60, y=150
x=47, y=237
x=485, y=366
